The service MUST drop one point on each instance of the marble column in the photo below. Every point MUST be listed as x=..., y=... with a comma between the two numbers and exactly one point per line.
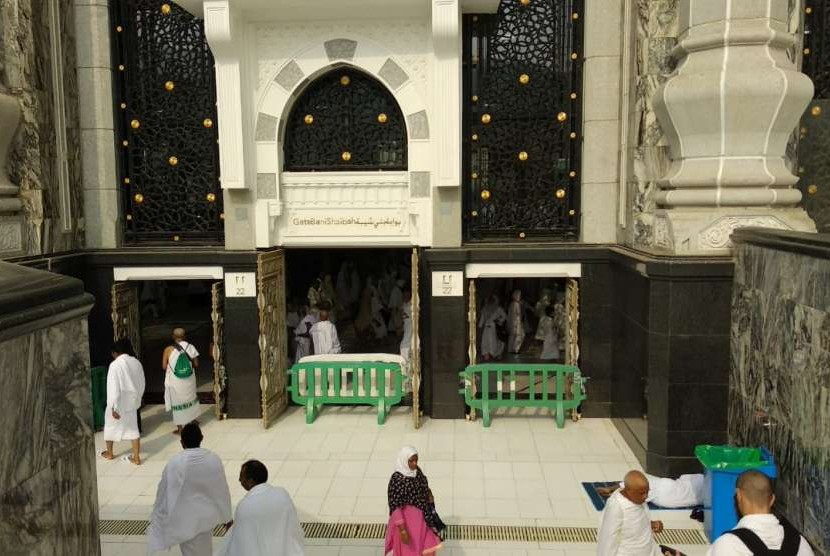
x=728, y=112
x=97, y=127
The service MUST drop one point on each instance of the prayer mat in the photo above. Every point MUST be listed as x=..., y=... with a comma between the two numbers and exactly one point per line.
x=599, y=502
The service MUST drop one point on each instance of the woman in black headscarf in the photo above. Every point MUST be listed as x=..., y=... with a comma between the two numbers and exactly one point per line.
x=414, y=526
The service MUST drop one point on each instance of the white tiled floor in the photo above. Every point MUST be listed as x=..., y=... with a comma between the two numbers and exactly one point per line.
x=520, y=471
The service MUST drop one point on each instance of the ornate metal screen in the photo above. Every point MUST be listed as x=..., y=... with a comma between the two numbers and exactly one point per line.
x=345, y=120
x=165, y=95
x=814, y=135
x=522, y=140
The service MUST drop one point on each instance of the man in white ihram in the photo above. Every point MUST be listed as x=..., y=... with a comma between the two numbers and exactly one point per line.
x=125, y=387
x=266, y=522
x=180, y=362
x=625, y=528
x=324, y=333
x=191, y=500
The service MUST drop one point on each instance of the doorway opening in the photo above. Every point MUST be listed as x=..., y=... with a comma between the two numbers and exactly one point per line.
x=365, y=289
x=163, y=306
x=524, y=314
x=521, y=320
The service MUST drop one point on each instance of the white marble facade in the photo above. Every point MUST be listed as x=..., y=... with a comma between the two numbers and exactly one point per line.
x=264, y=62
x=267, y=52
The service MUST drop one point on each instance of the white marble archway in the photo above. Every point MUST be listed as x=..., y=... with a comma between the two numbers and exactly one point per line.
x=274, y=102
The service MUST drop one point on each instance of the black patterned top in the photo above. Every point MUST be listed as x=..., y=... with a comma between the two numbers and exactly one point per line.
x=413, y=491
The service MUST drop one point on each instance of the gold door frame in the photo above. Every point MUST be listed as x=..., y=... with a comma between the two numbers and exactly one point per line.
x=220, y=375
x=126, y=314
x=272, y=334
x=415, y=347
x=572, y=332
x=572, y=335
x=472, y=325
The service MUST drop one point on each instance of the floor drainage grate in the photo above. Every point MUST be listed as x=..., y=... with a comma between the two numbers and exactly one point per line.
x=490, y=533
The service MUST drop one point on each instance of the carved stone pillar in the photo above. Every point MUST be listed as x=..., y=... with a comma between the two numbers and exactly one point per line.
x=728, y=112
x=11, y=220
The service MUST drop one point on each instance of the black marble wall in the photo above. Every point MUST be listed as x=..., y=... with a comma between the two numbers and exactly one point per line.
x=48, y=493
x=643, y=320
x=671, y=354
x=779, y=387
x=242, y=358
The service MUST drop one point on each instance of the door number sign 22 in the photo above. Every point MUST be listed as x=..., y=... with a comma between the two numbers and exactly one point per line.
x=240, y=284
x=448, y=284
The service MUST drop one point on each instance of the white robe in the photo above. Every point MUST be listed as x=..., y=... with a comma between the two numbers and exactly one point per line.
x=515, y=323
x=303, y=342
x=550, y=346
x=324, y=336
x=406, y=342
x=768, y=529
x=396, y=308
x=125, y=387
x=685, y=491
x=378, y=323
x=180, y=393
x=625, y=529
x=265, y=524
x=192, y=498
x=491, y=316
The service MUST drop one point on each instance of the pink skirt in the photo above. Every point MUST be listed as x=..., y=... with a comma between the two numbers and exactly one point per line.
x=422, y=540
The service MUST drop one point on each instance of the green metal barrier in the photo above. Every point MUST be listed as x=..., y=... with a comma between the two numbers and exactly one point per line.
x=536, y=376
x=345, y=383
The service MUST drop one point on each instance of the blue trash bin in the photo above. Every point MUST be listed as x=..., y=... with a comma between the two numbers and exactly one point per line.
x=723, y=465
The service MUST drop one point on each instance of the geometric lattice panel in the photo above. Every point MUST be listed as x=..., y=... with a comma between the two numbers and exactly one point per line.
x=165, y=104
x=814, y=131
x=345, y=120
x=522, y=121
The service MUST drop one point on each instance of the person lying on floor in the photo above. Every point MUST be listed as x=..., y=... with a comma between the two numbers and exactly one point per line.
x=684, y=492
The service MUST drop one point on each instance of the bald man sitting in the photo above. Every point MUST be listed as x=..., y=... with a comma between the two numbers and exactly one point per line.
x=180, y=361
x=625, y=528
x=759, y=531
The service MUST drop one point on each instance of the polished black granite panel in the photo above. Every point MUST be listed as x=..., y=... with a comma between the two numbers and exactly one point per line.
x=779, y=379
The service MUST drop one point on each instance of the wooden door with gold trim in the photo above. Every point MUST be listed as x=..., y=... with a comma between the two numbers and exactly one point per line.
x=273, y=349
x=572, y=333
x=126, y=314
x=220, y=375
x=472, y=339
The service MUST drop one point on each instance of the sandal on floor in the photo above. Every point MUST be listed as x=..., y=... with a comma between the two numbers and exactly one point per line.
x=105, y=457
x=129, y=459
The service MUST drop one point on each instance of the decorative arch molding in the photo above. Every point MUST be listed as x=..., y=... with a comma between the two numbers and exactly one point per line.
x=274, y=101
x=402, y=197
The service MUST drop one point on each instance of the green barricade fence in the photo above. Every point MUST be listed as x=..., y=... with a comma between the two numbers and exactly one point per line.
x=485, y=390
x=99, y=396
x=345, y=383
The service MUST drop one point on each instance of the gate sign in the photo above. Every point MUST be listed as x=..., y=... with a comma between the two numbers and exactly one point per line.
x=448, y=283
x=240, y=284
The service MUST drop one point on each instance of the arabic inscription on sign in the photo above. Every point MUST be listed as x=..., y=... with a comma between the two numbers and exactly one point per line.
x=365, y=221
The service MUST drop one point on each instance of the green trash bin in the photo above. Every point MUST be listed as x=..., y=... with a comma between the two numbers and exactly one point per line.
x=99, y=396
